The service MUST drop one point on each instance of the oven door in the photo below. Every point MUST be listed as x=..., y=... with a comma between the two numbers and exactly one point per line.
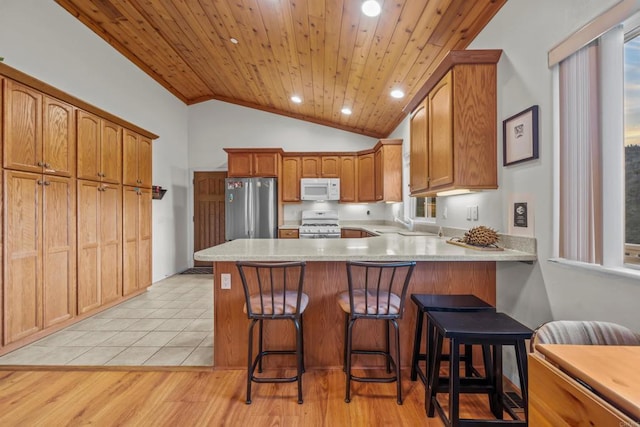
x=318, y=236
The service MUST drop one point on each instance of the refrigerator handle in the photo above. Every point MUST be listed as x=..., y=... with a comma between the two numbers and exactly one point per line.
x=250, y=209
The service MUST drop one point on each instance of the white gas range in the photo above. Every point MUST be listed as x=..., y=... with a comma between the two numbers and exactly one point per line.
x=319, y=224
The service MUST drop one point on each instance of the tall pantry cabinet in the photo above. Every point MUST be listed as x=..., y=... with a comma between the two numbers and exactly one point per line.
x=38, y=212
x=70, y=229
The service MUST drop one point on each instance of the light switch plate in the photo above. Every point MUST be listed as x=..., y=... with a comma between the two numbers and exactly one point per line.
x=225, y=281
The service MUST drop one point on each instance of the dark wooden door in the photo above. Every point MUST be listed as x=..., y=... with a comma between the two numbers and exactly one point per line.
x=208, y=218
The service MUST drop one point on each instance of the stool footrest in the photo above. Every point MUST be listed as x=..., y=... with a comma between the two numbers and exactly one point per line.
x=273, y=379
x=374, y=379
x=467, y=385
x=474, y=422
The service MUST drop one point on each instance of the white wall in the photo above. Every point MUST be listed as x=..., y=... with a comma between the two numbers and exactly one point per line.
x=215, y=125
x=43, y=40
x=526, y=31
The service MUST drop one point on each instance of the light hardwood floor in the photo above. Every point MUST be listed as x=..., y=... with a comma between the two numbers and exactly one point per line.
x=206, y=397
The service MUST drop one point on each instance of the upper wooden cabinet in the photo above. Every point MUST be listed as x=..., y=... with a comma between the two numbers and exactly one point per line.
x=39, y=132
x=380, y=172
x=453, y=129
x=290, y=180
x=252, y=162
x=99, y=148
x=366, y=178
x=136, y=160
x=311, y=167
x=418, y=175
x=330, y=167
x=388, y=170
x=348, y=178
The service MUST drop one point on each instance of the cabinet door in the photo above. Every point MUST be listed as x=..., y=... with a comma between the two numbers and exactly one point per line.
x=89, y=213
x=59, y=250
x=145, y=248
x=366, y=178
x=265, y=164
x=130, y=241
x=347, y=233
x=378, y=168
x=88, y=136
x=418, y=160
x=288, y=234
x=22, y=273
x=330, y=166
x=110, y=242
x=23, y=127
x=144, y=162
x=111, y=152
x=310, y=167
x=348, y=173
x=290, y=179
x=240, y=164
x=130, y=158
x=58, y=138
x=440, y=155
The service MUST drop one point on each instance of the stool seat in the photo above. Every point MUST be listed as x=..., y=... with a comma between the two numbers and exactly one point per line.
x=449, y=303
x=480, y=327
x=434, y=302
x=487, y=328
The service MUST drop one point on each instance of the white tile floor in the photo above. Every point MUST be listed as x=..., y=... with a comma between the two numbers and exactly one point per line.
x=169, y=325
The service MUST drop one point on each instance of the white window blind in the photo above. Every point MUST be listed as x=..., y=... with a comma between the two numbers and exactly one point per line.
x=580, y=160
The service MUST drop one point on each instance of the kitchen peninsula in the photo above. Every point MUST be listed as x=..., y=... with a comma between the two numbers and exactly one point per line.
x=441, y=268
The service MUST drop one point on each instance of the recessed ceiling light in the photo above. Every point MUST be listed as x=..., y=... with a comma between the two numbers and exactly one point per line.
x=296, y=99
x=371, y=8
x=233, y=40
x=397, y=93
x=346, y=111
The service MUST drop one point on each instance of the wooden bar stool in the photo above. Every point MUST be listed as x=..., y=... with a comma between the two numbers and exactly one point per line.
x=447, y=303
x=273, y=291
x=484, y=328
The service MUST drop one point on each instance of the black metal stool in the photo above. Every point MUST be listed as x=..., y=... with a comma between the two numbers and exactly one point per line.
x=447, y=303
x=273, y=291
x=484, y=328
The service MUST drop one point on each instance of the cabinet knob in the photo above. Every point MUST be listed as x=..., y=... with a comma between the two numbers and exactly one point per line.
x=47, y=183
x=40, y=164
x=39, y=182
x=47, y=165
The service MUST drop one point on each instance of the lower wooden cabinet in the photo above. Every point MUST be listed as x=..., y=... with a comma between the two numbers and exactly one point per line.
x=350, y=233
x=288, y=233
x=137, y=248
x=39, y=275
x=99, y=244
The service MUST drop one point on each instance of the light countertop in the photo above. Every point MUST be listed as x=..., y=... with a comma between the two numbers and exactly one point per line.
x=388, y=246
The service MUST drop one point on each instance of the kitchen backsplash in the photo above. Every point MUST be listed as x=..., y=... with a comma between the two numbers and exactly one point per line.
x=346, y=212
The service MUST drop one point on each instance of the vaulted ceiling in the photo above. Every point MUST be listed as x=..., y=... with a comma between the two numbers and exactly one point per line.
x=327, y=52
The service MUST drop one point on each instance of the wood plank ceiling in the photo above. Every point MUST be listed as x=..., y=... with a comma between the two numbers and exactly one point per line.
x=325, y=51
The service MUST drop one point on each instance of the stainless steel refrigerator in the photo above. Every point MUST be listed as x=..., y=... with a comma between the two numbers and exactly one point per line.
x=251, y=208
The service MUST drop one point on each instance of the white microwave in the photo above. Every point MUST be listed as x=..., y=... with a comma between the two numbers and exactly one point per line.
x=320, y=189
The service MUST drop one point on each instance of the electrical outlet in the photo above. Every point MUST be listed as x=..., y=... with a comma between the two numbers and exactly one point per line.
x=225, y=281
x=444, y=213
x=468, y=213
x=474, y=213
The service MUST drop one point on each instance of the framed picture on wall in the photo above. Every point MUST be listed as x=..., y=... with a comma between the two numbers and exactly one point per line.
x=520, y=137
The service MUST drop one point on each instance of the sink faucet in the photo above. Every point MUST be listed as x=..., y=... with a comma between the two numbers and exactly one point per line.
x=408, y=223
